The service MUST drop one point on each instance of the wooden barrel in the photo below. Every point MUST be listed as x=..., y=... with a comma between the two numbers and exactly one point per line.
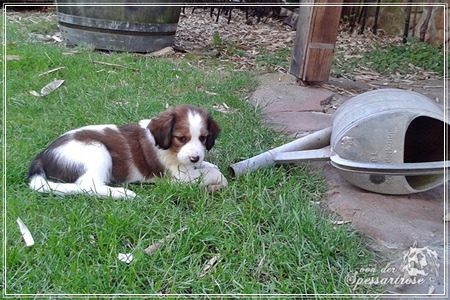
x=118, y=27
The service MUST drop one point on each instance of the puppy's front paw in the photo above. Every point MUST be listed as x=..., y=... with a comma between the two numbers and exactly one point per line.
x=213, y=179
x=122, y=193
x=216, y=187
x=206, y=165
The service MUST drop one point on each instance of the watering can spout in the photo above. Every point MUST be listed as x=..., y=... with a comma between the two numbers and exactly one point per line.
x=315, y=140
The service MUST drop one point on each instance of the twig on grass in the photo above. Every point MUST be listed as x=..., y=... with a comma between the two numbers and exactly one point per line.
x=114, y=65
x=51, y=71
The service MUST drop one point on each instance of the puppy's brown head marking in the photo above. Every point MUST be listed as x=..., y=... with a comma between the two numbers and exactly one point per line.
x=172, y=129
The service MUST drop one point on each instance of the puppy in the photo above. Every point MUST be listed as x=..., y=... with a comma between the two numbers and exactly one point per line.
x=87, y=159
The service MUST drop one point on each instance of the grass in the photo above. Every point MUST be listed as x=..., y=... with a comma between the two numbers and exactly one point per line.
x=271, y=236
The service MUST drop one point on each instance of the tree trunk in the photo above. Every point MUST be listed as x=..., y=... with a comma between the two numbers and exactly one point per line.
x=424, y=27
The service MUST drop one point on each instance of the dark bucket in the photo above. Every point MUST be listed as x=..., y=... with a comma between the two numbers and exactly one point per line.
x=118, y=27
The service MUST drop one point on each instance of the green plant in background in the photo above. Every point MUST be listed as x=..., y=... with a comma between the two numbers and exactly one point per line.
x=233, y=50
x=229, y=46
x=392, y=58
x=280, y=58
x=389, y=59
x=217, y=40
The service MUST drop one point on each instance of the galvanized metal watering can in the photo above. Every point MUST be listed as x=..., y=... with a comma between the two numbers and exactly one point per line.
x=386, y=141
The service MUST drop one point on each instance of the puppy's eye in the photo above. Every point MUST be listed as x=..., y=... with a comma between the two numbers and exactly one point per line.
x=181, y=139
x=202, y=138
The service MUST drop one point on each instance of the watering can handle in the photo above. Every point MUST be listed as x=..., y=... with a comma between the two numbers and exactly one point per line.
x=423, y=168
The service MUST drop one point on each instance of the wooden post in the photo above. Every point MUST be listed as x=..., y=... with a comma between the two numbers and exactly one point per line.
x=316, y=35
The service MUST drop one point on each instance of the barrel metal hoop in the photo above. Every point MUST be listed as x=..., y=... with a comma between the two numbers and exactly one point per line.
x=100, y=25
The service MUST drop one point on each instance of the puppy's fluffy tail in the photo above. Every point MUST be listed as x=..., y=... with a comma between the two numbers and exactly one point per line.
x=36, y=175
x=39, y=183
x=37, y=178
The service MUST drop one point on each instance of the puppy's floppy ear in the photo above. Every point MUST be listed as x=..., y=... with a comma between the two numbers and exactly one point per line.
x=161, y=128
x=213, y=133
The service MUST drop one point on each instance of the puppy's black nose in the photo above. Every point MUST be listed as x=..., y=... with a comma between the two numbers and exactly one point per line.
x=194, y=159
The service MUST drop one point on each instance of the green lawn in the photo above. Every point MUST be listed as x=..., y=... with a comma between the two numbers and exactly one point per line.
x=266, y=229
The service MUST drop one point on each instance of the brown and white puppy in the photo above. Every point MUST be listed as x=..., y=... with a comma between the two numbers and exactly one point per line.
x=86, y=159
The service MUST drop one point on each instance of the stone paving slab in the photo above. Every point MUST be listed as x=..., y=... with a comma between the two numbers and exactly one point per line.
x=394, y=224
x=294, y=109
x=298, y=124
x=394, y=221
x=280, y=93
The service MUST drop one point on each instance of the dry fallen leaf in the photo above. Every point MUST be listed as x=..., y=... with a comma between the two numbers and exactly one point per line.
x=210, y=265
x=225, y=109
x=210, y=93
x=125, y=257
x=92, y=239
x=340, y=222
x=57, y=37
x=26, y=234
x=13, y=57
x=51, y=87
x=70, y=52
x=155, y=246
x=36, y=94
x=162, y=52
